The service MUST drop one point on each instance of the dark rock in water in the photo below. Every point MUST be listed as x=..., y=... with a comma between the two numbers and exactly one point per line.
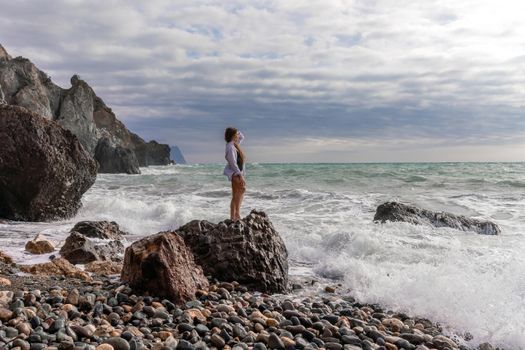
x=249, y=251
x=44, y=170
x=79, y=249
x=77, y=109
x=150, y=153
x=99, y=229
x=93, y=241
x=394, y=211
x=164, y=266
x=115, y=159
x=177, y=156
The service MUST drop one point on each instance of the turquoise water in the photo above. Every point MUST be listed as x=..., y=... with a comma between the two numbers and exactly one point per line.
x=324, y=212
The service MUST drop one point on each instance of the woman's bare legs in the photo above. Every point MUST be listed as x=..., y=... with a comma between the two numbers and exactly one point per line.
x=237, y=196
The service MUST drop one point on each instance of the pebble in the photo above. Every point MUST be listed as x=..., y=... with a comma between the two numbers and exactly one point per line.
x=217, y=341
x=5, y=314
x=275, y=342
x=184, y=345
x=117, y=343
x=104, y=347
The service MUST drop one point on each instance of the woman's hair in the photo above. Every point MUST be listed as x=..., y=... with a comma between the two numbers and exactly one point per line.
x=229, y=133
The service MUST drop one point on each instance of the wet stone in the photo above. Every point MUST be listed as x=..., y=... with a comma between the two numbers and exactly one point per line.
x=415, y=339
x=259, y=346
x=184, y=345
x=331, y=318
x=117, y=343
x=333, y=346
x=37, y=346
x=274, y=342
x=22, y=344
x=201, y=329
x=217, y=341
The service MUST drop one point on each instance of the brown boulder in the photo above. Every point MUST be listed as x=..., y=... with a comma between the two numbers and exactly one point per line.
x=163, y=266
x=249, y=251
x=44, y=170
x=39, y=245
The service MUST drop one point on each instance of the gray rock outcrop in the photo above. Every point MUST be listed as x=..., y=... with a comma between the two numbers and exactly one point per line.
x=115, y=159
x=44, y=170
x=4, y=56
x=77, y=109
x=76, y=113
x=177, y=156
x=99, y=229
x=394, y=211
x=249, y=251
x=164, y=266
x=152, y=153
x=93, y=241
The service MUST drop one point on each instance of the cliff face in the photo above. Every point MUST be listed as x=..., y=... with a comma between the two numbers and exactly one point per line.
x=177, y=156
x=77, y=109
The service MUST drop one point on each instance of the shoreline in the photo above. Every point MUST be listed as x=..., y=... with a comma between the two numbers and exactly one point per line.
x=56, y=312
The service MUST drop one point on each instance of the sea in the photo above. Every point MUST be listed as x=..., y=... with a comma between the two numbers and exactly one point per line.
x=470, y=283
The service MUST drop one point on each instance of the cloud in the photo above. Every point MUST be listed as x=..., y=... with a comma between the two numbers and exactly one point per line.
x=288, y=70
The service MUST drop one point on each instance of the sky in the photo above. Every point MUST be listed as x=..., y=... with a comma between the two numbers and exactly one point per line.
x=305, y=81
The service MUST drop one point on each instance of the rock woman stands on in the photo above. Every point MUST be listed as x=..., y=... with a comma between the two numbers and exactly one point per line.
x=235, y=170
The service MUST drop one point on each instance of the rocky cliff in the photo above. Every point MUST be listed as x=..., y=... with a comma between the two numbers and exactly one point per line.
x=77, y=109
x=177, y=156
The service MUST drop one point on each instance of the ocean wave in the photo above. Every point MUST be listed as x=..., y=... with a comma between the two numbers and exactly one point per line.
x=512, y=183
x=415, y=178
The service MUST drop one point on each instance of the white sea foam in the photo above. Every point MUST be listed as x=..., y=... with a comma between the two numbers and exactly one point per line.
x=324, y=212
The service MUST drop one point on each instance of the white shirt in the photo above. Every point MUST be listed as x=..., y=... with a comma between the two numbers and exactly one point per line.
x=231, y=156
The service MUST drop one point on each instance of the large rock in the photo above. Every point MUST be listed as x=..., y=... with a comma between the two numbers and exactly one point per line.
x=177, y=156
x=115, y=159
x=249, y=251
x=25, y=85
x=94, y=241
x=151, y=153
x=76, y=113
x=44, y=170
x=79, y=249
x=394, y=211
x=99, y=229
x=162, y=265
x=77, y=109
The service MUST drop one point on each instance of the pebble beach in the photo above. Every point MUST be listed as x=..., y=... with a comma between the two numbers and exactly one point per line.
x=65, y=313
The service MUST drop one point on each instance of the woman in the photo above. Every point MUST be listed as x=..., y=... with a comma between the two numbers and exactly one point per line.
x=235, y=170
